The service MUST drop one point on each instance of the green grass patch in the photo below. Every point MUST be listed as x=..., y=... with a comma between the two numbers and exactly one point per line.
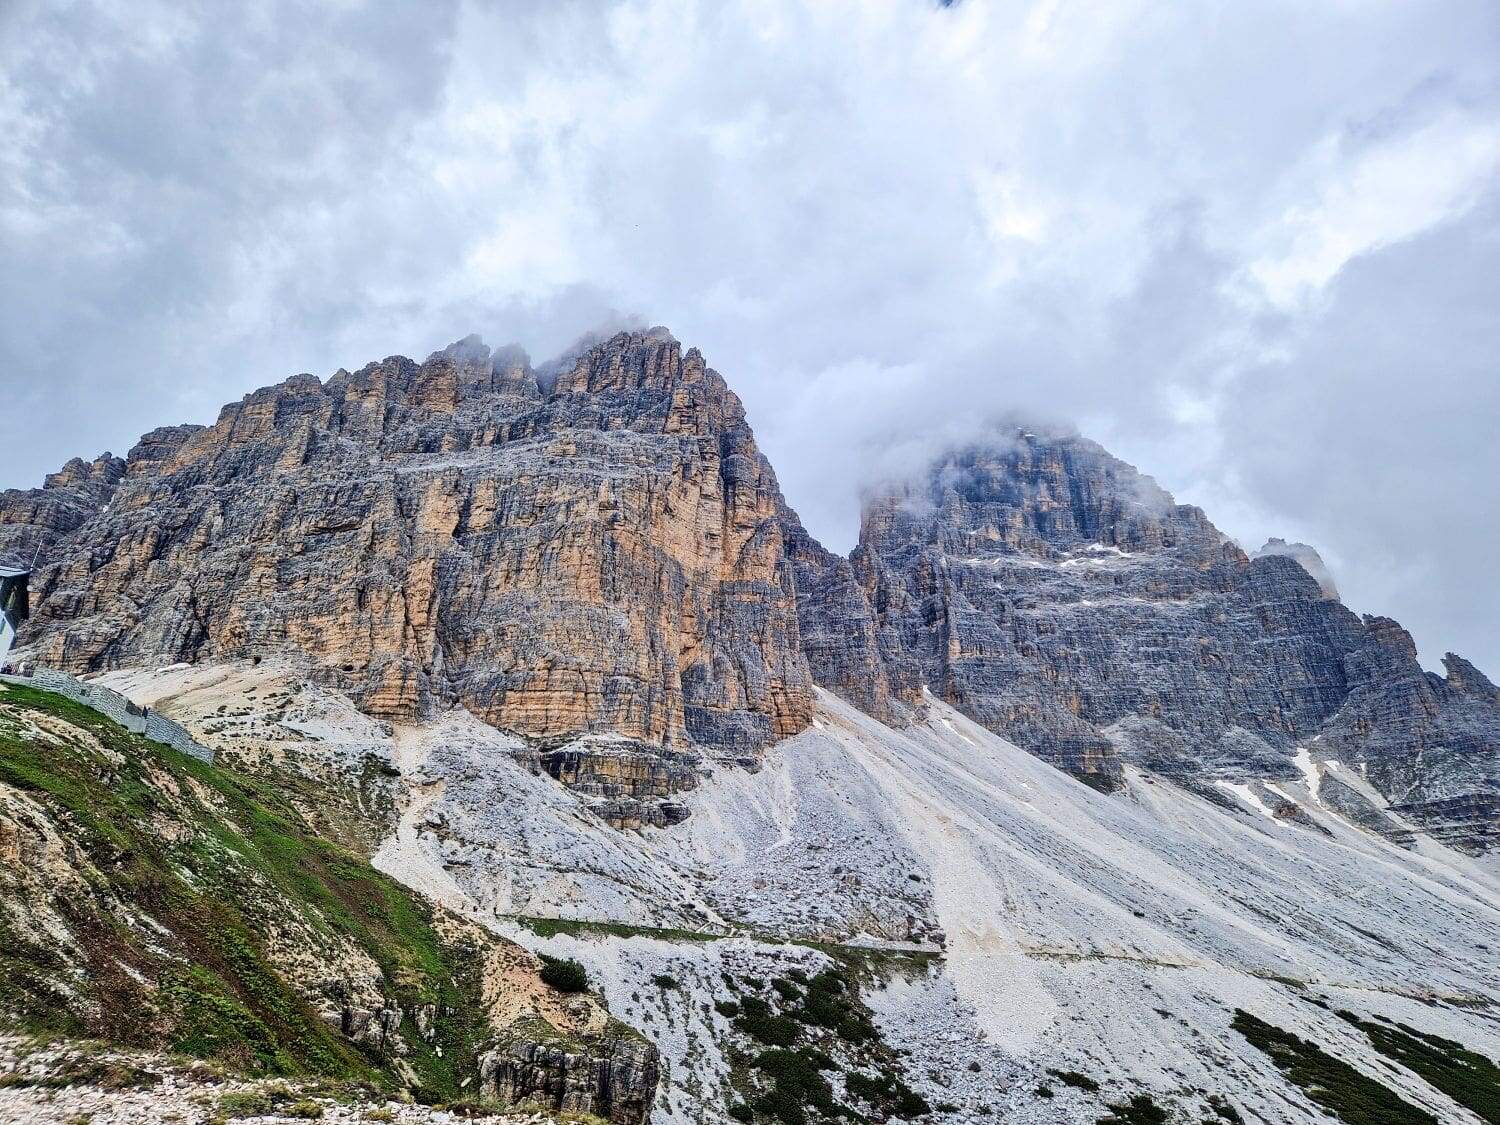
x=236, y=859
x=552, y=927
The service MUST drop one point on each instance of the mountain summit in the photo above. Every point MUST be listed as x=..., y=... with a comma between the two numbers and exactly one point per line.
x=604, y=555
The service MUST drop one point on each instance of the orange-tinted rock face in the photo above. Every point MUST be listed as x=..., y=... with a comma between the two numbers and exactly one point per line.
x=603, y=555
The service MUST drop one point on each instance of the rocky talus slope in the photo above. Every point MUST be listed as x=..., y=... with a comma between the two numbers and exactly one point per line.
x=151, y=901
x=1065, y=601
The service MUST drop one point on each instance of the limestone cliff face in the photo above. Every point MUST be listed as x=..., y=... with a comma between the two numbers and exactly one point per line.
x=1054, y=594
x=601, y=550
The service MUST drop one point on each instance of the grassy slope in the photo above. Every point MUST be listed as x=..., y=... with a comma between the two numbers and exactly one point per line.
x=241, y=859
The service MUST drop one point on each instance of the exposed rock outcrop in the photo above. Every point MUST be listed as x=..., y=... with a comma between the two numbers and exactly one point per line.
x=616, y=1080
x=1429, y=744
x=602, y=554
x=627, y=783
x=1307, y=557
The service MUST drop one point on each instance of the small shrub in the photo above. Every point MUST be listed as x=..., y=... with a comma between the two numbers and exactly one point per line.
x=564, y=975
x=1139, y=1110
x=305, y=1110
x=666, y=981
x=727, y=1008
x=910, y=1104
x=379, y=1114
x=740, y=1111
x=773, y=1031
x=786, y=989
x=1045, y=1092
x=1076, y=1080
x=244, y=1103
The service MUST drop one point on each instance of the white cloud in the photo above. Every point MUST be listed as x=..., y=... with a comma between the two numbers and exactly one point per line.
x=1391, y=191
x=885, y=222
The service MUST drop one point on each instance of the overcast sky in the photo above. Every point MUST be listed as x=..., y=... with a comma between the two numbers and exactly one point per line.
x=1254, y=248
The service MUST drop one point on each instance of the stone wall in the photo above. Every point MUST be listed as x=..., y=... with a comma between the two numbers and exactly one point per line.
x=112, y=705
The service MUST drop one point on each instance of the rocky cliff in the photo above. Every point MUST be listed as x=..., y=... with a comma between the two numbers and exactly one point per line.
x=1062, y=599
x=592, y=547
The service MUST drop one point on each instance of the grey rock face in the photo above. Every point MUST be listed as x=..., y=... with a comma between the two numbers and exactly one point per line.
x=606, y=555
x=1430, y=744
x=35, y=519
x=1307, y=557
x=1054, y=594
x=616, y=1080
x=1048, y=591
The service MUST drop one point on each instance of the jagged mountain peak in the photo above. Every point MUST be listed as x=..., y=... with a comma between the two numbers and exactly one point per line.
x=604, y=555
x=1043, y=493
x=1061, y=598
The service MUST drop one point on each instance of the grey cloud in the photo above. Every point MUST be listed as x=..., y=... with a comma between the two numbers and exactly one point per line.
x=892, y=227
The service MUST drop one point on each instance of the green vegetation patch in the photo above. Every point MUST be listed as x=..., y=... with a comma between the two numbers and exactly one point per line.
x=803, y=1021
x=1469, y=1078
x=887, y=1093
x=1141, y=1109
x=759, y=1022
x=217, y=861
x=797, y=1085
x=1335, y=1085
x=551, y=927
x=1224, y=1111
x=1074, y=1079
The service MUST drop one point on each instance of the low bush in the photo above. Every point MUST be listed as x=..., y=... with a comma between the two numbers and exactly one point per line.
x=564, y=975
x=1074, y=1079
x=1469, y=1078
x=1139, y=1110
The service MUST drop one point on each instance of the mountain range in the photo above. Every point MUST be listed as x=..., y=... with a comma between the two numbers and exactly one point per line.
x=1049, y=802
